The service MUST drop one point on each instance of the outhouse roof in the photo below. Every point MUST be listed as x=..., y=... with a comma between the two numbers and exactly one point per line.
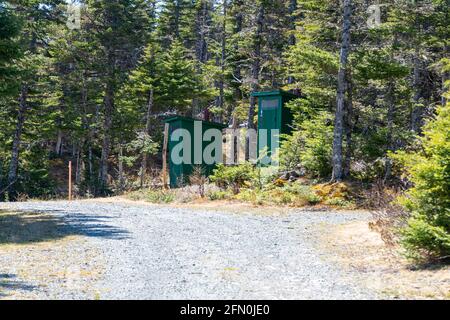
x=274, y=93
x=187, y=119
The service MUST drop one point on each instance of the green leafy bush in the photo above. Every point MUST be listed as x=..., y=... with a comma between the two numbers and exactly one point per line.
x=234, y=177
x=427, y=234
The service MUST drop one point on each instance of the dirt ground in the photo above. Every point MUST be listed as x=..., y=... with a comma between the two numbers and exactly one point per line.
x=384, y=269
x=38, y=255
x=231, y=206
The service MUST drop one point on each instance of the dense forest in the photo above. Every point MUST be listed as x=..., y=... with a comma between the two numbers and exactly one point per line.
x=91, y=82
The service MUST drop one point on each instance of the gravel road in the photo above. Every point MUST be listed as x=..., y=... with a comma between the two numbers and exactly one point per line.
x=157, y=252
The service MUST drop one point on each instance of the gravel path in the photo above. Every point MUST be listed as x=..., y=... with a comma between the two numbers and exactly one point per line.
x=154, y=252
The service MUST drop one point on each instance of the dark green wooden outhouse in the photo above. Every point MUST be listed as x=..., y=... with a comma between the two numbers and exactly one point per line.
x=180, y=172
x=273, y=115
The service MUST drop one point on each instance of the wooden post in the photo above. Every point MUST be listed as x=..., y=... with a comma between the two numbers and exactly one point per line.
x=166, y=142
x=70, y=180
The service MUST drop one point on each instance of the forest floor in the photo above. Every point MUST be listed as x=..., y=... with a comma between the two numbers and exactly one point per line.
x=122, y=249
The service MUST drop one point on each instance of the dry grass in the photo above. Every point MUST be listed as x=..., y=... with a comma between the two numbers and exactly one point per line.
x=35, y=254
x=382, y=268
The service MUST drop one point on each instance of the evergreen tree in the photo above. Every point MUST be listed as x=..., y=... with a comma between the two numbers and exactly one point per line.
x=120, y=31
x=10, y=27
x=179, y=83
x=428, y=232
x=38, y=21
x=9, y=50
x=176, y=22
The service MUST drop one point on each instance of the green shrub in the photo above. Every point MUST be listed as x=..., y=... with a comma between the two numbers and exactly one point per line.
x=160, y=196
x=277, y=196
x=339, y=202
x=427, y=234
x=313, y=198
x=303, y=192
x=219, y=195
x=234, y=178
x=249, y=195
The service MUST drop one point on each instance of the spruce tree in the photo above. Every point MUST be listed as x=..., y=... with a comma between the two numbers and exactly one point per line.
x=120, y=31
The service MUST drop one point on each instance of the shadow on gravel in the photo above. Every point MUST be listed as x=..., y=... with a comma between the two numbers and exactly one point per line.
x=431, y=266
x=9, y=282
x=29, y=227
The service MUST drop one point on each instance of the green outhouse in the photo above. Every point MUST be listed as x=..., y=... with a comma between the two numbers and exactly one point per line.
x=194, y=146
x=273, y=115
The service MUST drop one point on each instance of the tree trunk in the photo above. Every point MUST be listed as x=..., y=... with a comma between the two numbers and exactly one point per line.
x=177, y=19
x=86, y=142
x=147, y=131
x=202, y=27
x=390, y=99
x=201, y=50
x=91, y=171
x=59, y=120
x=349, y=126
x=58, y=147
x=106, y=146
x=445, y=76
x=121, y=180
x=293, y=20
x=14, y=164
x=255, y=74
x=237, y=68
x=338, y=172
x=2, y=190
x=256, y=65
x=237, y=75
x=390, y=127
x=417, y=112
x=1, y=179
x=220, y=99
x=80, y=163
